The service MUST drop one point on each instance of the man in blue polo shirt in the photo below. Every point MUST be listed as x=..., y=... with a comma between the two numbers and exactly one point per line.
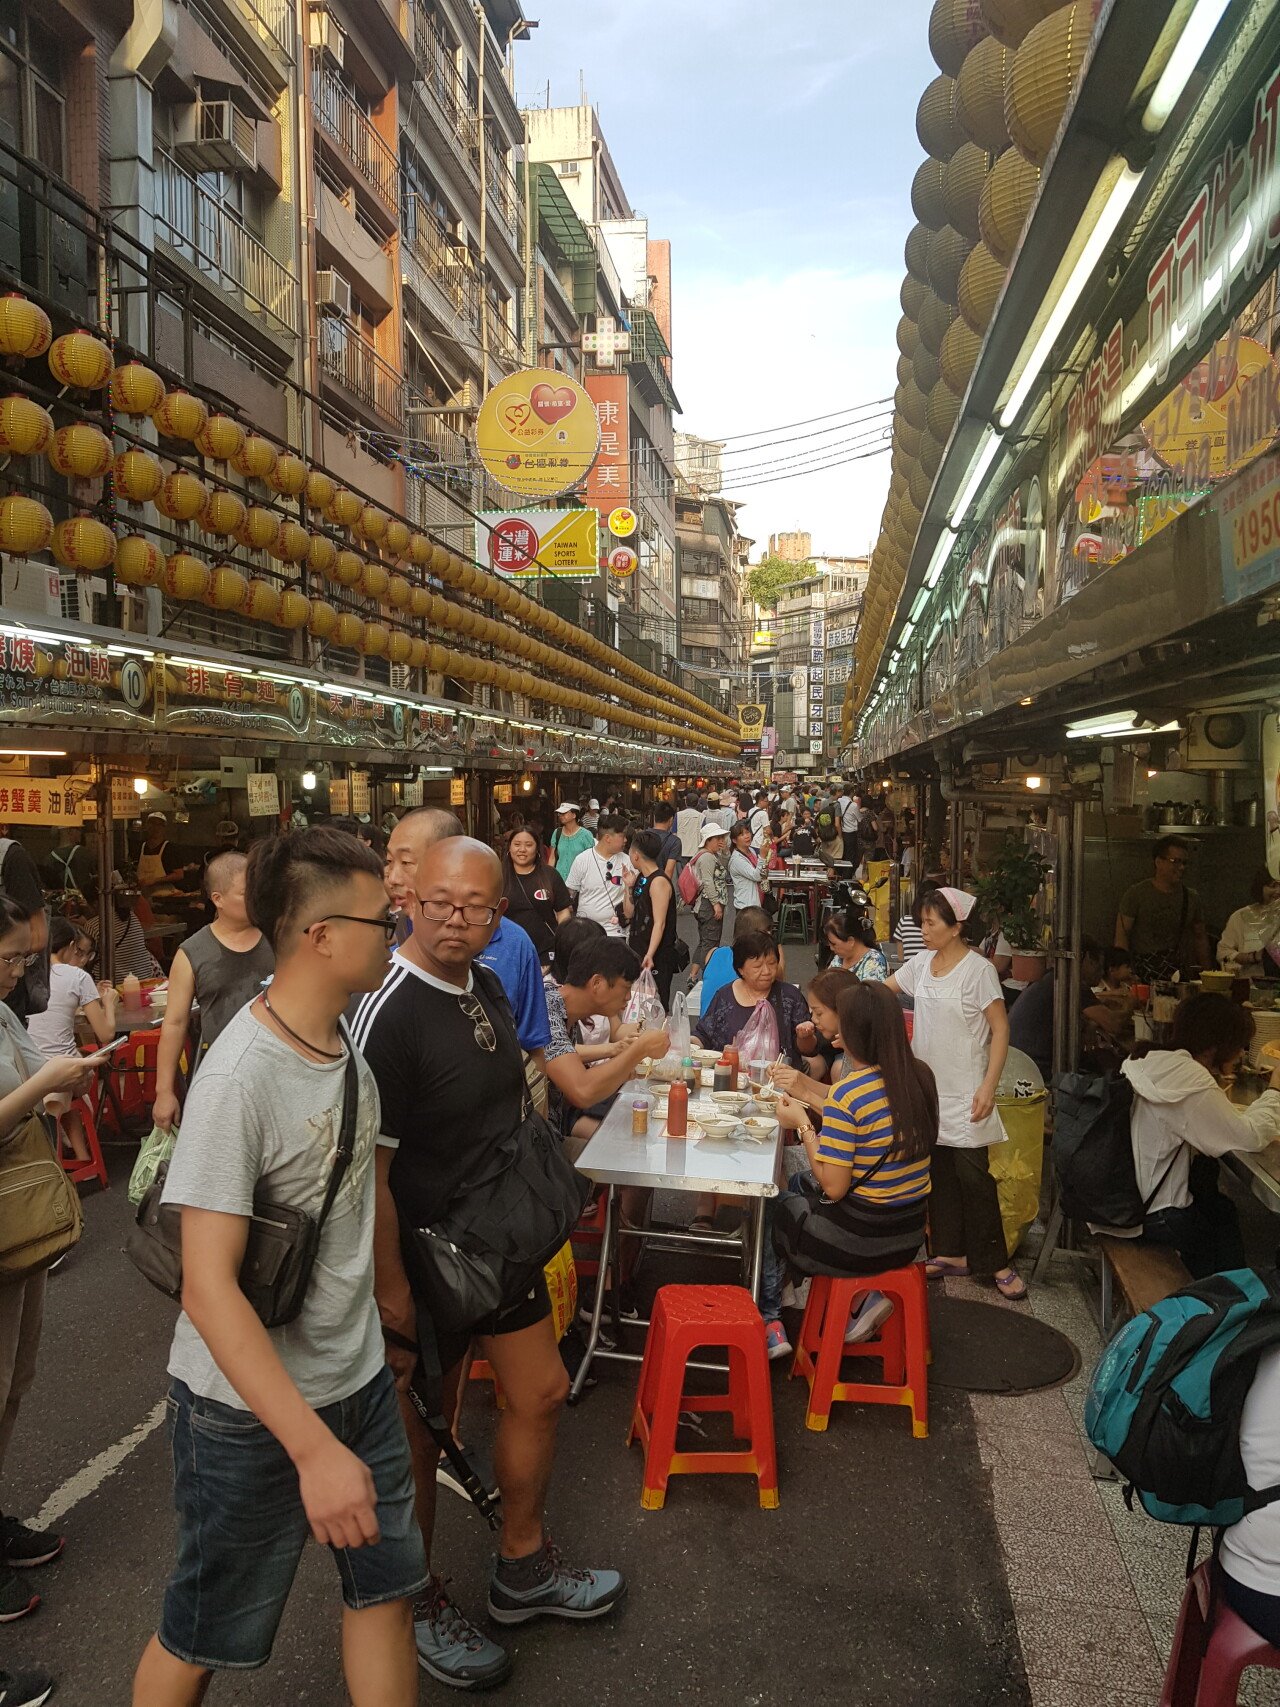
x=512, y=957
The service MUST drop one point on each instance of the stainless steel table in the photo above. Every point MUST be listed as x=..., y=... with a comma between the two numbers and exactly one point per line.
x=613, y=1157
x=1257, y=1169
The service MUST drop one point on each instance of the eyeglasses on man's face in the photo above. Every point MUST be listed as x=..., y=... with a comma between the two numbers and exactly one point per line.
x=440, y=912
x=386, y=924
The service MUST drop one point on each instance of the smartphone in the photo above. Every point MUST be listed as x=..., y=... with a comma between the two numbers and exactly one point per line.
x=106, y=1049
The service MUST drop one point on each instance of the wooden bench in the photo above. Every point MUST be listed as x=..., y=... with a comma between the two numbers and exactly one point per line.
x=1144, y=1273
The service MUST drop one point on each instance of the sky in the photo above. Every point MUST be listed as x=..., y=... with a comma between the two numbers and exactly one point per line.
x=773, y=142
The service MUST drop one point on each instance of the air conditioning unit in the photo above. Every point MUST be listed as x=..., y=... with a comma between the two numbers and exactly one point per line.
x=1222, y=740
x=216, y=136
x=333, y=293
x=326, y=34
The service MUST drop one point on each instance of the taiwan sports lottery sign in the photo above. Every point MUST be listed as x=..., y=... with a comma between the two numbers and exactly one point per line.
x=524, y=544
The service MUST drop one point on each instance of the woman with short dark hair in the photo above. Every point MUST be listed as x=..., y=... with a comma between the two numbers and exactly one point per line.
x=757, y=979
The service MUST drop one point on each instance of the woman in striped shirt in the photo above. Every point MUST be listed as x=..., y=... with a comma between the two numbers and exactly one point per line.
x=863, y=1209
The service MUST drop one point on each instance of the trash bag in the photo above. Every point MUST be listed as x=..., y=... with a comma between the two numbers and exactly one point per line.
x=681, y=1043
x=153, y=1154
x=644, y=1005
x=758, y=1039
x=1016, y=1167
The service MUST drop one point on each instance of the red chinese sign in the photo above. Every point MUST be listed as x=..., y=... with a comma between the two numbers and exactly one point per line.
x=609, y=482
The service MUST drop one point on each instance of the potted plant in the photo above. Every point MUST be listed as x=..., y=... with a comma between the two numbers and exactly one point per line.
x=1007, y=895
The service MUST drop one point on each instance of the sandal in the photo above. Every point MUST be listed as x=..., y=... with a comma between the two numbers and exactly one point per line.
x=943, y=1268
x=1011, y=1285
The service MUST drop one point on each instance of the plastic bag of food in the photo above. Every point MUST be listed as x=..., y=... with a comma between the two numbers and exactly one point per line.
x=681, y=1043
x=644, y=1005
x=154, y=1153
x=757, y=1042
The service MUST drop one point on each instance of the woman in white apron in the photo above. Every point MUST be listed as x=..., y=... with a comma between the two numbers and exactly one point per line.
x=962, y=1033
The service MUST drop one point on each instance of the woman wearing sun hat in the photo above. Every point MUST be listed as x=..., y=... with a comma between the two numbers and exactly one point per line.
x=961, y=1031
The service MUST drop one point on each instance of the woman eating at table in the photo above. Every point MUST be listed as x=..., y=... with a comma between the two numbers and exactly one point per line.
x=961, y=1032
x=535, y=893
x=756, y=979
x=72, y=991
x=1250, y=931
x=820, y=1040
x=851, y=936
x=861, y=1209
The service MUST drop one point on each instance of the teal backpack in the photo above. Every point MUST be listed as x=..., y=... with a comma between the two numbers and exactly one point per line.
x=1165, y=1400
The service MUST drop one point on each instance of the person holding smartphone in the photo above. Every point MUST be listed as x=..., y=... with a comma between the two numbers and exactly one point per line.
x=597, y=877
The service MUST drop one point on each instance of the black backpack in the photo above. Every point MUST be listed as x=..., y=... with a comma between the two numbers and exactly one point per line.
x=1093, y=1150
x=826, y=825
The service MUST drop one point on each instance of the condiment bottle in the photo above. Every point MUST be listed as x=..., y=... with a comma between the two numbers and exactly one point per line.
x=130, y=992
x=731, y=1056
x=678, y=1110
x=723, y=1075
x=689, y=1073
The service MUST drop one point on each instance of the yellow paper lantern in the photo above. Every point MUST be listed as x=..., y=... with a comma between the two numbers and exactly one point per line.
x=289, y=475
x=350, y=630
x=137, y=476
x=1010, y=20
x=227, y=587
x=25, y=428
x=941, y=411
x=322, y=554
x=420, y=601
x=291, y=542
x=1043, y=76
x=398, y=592
x=347, y=569
x=261, y=600
x=294, y=610
x=256, y=457
x=179, y=415
x=925, y=370
x=320, y=489
x=322, y=619
x=345, y=508
x=80, y=451
x=930, y=458
x=395, y=541
x=935, y=317
x=908, y=333
x=440, y=560
x=399, y=646
x=78, y=358
x=437, y=658
x=185, y=577
x=947, y=252
x=25, y=328
x=375, y=580
x=955, y=27
x=84, y=544
x=981, y=281
x=139, y=562
x=419, y=652
x=980, y=92
x=259, y=528
x=965, y=174
x=936, y=125
x=135, y=389
x=911, y=404
x=182, y=496
x=223, y=513
x=419, y=550
x=1005, y=202
x=220, y=438
x=373, y=523
x=959, y=356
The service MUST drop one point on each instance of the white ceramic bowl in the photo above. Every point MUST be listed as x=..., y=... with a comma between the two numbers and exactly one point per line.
x=734, y=1100
x=759, y=1126
x=720, y=1131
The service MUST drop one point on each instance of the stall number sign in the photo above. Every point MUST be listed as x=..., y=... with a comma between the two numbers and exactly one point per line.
x=264, y=794
x=359, y=792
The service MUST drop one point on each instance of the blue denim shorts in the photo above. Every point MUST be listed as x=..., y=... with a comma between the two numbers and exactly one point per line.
x=242, y=1527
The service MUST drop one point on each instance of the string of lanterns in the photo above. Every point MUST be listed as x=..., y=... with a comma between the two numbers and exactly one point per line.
x=86, y=545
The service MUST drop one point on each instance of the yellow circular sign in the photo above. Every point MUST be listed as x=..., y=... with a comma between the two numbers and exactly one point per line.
x=537, y=433
x=623, y=522
x=622, y=561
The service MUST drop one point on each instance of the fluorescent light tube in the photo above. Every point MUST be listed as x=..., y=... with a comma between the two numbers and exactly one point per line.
x=986, y=455
x=1204, y=18
x=1113, y=209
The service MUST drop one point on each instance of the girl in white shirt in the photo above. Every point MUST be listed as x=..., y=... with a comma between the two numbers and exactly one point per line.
x=71, y=990
x=961, y=1031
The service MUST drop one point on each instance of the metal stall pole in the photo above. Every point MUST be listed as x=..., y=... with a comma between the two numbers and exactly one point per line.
x=1066, y=1012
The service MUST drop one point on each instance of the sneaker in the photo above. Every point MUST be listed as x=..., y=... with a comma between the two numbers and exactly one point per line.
x=448, y=1477
x=796, y=1297
x=628, y=1309
x=16, y=1599
x=869, y=1316
x=23, y=1546
x=450, y=1648
x=547, y=1586
x=776, y=1341
x=24, y=1688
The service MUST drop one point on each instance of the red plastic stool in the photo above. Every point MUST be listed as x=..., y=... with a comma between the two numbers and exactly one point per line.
x=95, y=1167
x=685, y=1318
x=902, y=1346
x=1212, y=1646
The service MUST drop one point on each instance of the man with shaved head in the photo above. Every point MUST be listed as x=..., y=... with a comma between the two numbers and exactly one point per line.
x=441, y=1041
x=417, y=831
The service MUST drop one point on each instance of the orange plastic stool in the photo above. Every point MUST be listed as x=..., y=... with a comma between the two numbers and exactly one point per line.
x=1212, y=1646
x=902, y=1346
x=684, y=1319
x=95, y=1167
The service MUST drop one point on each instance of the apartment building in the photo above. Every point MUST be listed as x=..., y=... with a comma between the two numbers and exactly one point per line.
x=715, y=614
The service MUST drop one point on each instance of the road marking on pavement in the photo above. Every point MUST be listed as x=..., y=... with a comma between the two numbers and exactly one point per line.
x=90, y=1477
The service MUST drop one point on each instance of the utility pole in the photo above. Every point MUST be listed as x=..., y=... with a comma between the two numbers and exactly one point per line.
x=483, y=152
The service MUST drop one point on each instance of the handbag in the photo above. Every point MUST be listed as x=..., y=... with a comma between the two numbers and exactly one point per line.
x=40, y=1216
x=280, y=1251
x=501, y=1230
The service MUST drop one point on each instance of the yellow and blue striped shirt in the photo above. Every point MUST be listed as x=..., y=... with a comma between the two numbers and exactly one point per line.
x=857, y=1130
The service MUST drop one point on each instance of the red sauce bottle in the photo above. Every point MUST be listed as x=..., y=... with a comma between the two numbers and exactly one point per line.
x=731, y=1056
x=678, y=1110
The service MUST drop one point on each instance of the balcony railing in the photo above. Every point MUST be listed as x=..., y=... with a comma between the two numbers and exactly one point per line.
x=441, y=261
x=502, y=340
x=208, y=234
x=430, y=432
x=503, y=191
x=340, y=116
x=356, y=365
x=437, y=68
x=276, y=18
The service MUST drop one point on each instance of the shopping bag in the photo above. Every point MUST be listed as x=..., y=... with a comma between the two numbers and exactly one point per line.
x=757, y=1042
x=679, y=1026
x=154, y=1153
x=644, y=1005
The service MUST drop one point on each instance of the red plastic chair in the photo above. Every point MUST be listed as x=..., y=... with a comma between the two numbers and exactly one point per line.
x=684, y=1319
x=95, y=1167
x=1212, y=1647
x=902, y=1346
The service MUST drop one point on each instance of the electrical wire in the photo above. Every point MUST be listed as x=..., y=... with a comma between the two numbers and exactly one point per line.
x=797, y=474
x=855, y=441
x=819, y=432
x=784, y=426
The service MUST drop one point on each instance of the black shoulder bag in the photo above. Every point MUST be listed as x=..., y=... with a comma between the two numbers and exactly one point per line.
x=283, y=1241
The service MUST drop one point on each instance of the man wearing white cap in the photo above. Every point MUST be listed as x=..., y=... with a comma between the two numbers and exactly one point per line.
x=717, y=813
x=713, y=895
x=569, y=838
x=591, y=817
